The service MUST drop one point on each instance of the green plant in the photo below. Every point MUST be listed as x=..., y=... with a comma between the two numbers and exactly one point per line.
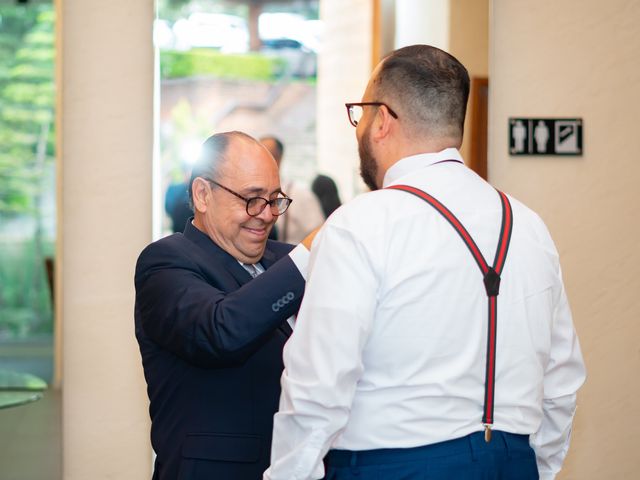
x=26, y=165
x=197, y=62
x=25, y=302
x=26, y=104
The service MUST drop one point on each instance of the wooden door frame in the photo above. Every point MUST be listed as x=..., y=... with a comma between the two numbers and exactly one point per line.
x=479, y=126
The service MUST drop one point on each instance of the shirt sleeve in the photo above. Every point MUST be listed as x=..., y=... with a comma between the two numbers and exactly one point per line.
x=300, y=257
x=564, y=375
x=323, y=358
x=551, y=441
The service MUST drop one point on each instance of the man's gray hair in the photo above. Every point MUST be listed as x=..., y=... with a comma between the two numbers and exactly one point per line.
x=429, y=86
x=213, y=155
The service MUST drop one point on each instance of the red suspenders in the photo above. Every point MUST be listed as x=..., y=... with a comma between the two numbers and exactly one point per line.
x=491, y=279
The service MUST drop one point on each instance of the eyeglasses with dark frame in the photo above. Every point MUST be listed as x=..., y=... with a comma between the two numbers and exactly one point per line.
x=356, y=114
x=255, y=205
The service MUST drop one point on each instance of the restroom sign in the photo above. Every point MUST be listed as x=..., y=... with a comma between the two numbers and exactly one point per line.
x=545, y=136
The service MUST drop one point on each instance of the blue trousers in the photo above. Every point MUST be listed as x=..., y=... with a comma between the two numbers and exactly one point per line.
x=507, y=457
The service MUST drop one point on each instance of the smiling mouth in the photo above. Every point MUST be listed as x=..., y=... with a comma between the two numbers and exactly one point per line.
x=257, y=231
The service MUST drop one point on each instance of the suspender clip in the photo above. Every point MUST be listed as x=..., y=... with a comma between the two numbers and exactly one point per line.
x=487, y=432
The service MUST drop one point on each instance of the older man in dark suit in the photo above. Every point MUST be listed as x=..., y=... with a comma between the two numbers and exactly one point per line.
x=210, y=337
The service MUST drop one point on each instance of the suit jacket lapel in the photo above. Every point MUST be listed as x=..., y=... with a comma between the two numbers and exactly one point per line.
x=230, y=264
x=268, y=258
x=217, y=254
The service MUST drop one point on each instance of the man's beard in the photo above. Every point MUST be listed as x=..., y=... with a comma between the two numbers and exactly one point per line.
x=368, y=164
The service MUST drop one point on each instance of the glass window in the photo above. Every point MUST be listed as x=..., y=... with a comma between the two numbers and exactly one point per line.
x=234, y=65
x=27, y=186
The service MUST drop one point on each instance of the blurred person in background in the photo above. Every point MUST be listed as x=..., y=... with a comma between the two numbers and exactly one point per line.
x=305, y=213
x=326, y=191
x=176, y=203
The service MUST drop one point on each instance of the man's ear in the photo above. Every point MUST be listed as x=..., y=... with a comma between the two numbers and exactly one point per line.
x=200, y=191
x=383, y=124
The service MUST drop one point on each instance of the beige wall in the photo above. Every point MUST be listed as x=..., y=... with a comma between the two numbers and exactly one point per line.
x=580, y=58
x=469, y=34
x=344, y=66
x=105, y=220
x=469, y=43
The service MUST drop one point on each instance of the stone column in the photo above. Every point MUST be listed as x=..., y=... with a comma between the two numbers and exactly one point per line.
x=422, y=21
x=106, y=134
x=344, y=66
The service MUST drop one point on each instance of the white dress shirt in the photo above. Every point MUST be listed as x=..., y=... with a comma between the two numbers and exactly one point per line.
x=390, y=342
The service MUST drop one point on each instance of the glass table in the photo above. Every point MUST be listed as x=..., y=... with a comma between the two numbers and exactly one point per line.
x=17, y=388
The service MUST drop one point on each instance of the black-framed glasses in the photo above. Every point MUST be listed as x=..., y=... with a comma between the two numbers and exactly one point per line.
x=355, y=110
x=255, y=205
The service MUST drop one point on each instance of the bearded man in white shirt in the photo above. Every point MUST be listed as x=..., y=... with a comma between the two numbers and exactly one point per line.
x=397, y=368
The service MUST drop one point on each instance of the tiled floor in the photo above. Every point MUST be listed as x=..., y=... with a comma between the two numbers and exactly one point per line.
x=30, y=443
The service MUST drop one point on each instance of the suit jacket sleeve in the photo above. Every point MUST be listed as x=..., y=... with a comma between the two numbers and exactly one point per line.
x=201, y=323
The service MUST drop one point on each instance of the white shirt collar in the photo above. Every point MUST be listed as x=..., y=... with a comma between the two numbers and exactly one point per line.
x=415, y=162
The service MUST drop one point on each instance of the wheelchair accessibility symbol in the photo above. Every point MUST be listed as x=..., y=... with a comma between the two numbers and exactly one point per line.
x=567, y=137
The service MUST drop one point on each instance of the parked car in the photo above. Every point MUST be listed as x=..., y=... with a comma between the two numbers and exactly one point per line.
x=227, y=33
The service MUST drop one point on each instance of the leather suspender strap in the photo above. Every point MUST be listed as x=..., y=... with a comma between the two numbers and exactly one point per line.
x=491, y=280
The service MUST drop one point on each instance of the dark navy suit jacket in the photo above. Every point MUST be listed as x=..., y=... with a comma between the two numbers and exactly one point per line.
x=211, y=341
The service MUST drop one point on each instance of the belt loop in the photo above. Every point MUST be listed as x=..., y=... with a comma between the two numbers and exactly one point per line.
x=353, y=463
x=472, y=448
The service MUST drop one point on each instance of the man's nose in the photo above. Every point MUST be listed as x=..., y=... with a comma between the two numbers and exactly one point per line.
x=266, y=215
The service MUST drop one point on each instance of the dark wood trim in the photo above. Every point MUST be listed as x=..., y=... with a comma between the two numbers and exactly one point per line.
x=479, y=106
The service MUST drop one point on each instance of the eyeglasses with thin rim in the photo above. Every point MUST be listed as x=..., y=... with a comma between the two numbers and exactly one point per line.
x=355, y=110
x=255, y=205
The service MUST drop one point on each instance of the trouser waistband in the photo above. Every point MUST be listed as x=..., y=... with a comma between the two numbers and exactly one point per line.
x=470, y=444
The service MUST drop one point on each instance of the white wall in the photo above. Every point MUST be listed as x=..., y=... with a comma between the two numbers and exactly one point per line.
x=579, y=58
x=106, y=93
